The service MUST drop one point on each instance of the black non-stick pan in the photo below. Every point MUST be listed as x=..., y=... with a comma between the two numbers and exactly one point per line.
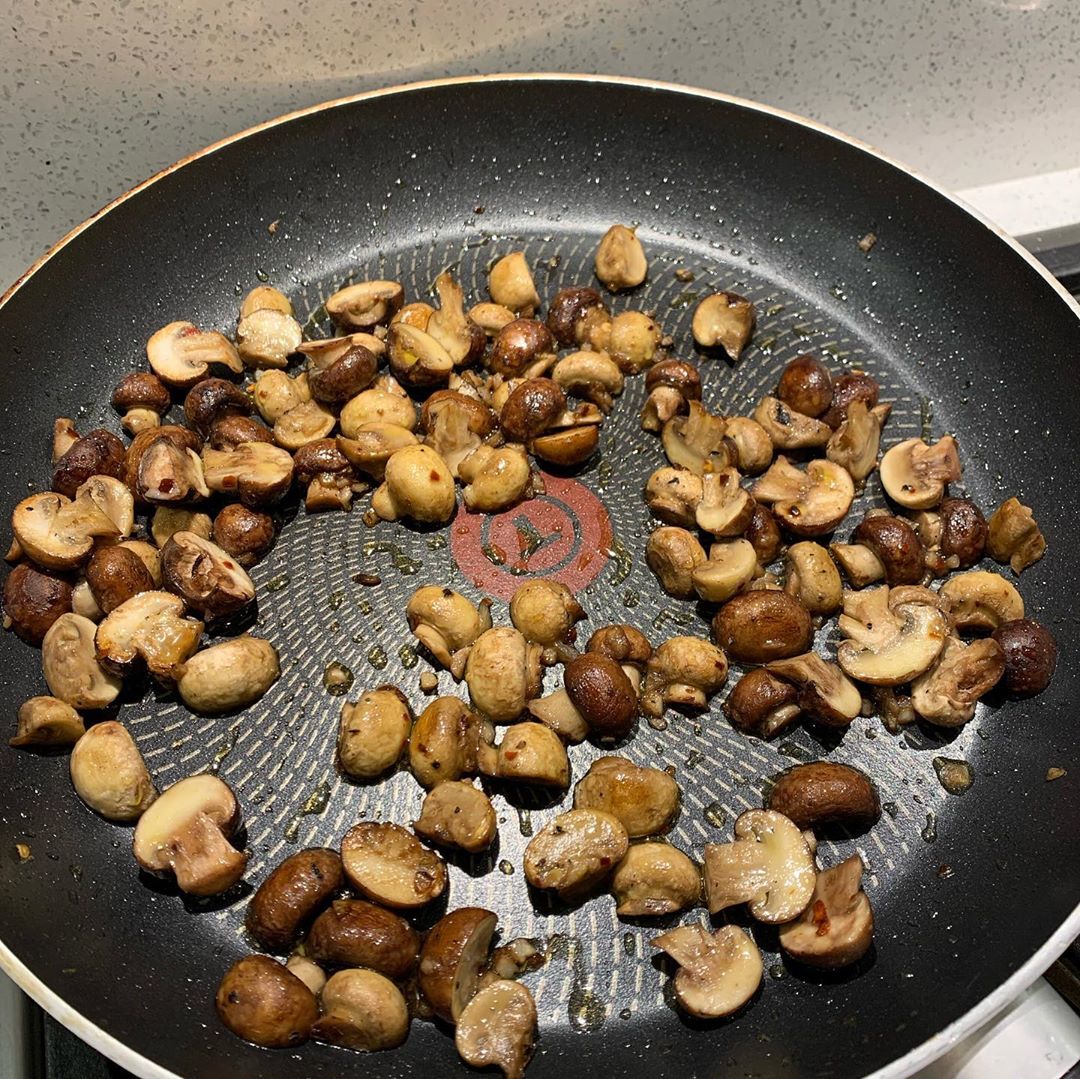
x=973, y=895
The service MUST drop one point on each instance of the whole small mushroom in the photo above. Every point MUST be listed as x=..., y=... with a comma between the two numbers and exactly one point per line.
x=762, y=704
x=575, y=852
x=244, y=533
x=825, y=792
x=229, y=675
x=620, y=259
x=418, y=485
x=456, y=814
x=1030, y=656
x=760, y=626
x=645, y=800
x=291, y=895
x=502, y=673
x=263, y=1003
x=510, y=283
x=211, y=400
x=97, y=453
x=573, y=313
x=363, y=1010
x=33, y=601
x=603, y=694
x=115, y=574
x=373, y=732
x=806, y=386
x=545, y=612
x=356, y=933
x=684, y=672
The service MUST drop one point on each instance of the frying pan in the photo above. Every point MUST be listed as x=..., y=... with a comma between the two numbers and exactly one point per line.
x=974, y=895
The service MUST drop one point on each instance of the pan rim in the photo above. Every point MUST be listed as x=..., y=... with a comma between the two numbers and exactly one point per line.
x=918, y=1057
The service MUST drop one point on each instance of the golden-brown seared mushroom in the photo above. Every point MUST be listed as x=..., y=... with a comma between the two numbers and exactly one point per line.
x=654, y=879
x=1030, y=656
x=373, y=444
x=855, y=443
x=671, y=385
x=810, y=502
x=981, y=600
x=673, y=496
x=417, y=485
x=369, y=303
x=1014, y=537
x=725, y=508
x=212, y=399
x=180, y=354
x=265, y=298
x=491, y=317
x=143, y=399
x=575, y=852
x=573, y=313
x=150, y=626
x=33, y=601
x=457, y=814
x=328, y=475
x=718, y=972
x=498, y=1028
x=837, y=927
x=531, y=753
x=447, y=624
x=244, y=533
x=339, y=371
x=895, y=544
x=115, y=574
x=267, y=337
x=673, y=554
x=57, y=533
x=47, y=721
x=495, y=479
x=545, y=612
x=186, y=830
x=914, y=474
x=788, y=429
x=946, y=694
x=812, y=578
x=391, y=866
x=684, y=672
x=824, y=693
x=858, y=563
x=355, y=933
x=229, y=675
x=257, y=473
x=769, y=866
x=620, y=261
x=753, y=447
x=502, y=673
x=454, y=953
x=603, y=695
x=732, y=564
x=276, y=394
x=361, y=1009
x=806, y=386
x=373, y=732
x=291, y=895
x=209, y=580
x=445, y=742
x=594, y=376
x=762, y=704
x=958, y=530
x=99, y=453
x=724, y=319
x=452, y=329
x=109, y=773
x=382, y=403
x=645, y=800
x=510, y=283
x=69, y=661
x=520, y=345
x=262, y=1002
x=760, y=626
x=824, y=792
x=632, y=341
x=691, y=441
x=306, y=423
x=764, y=533
x=417, y=358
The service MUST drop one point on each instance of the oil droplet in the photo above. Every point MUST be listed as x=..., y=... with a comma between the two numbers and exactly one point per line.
x=956, y=776
x=586, y=1011
x=796, y=752
x=945, y=871
x=335, y=600
x=405, y=565
x=436, y=543
x=495, y=555
x=684, y=299
x=629, y=944
x=316, y=802
x=624, y=561
x=766, y=344
x=625, y=1013
x=658, y=723
x=631, y=599
x=604, y=471
x=775, y=309
x=364, y=606
x=929, y=833
x=276, y=584
x=223, y=750
x=693, y=759
x=891, y=808
x=377, y=657
x=506, y=868
x=525, y=822
x=261, y=274
x=715, y=815
x=407, y=655
x=337, y=679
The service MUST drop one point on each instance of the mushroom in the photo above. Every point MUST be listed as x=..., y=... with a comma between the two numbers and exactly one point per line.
x=99, y=453
x=961, y=531
x=914, y=474
x=620, y=259
x=769, y=866
x=143, y=399
x=377, y=405
x=265, y=298
x=603, y=695
x=756, y=627
x=673, y=495
x=390, y=866
x=574, y=852
x=64, y=437
x=946, y=694
x=445, y=742
x=149, y=626
x=180, y=354
x=981, y=600
x=788, y=429
x=1014, y=537
x=311, y=974
x=327, y=474
x=684, y=672
x=888, y=643
x=170, y=473
x=732, y=564
x=592, y=375
x=691, y=441
x=369, y=303
x=520, y=345
x=673, y=554
x=531, y=753
x=355, y=933
x=725, y=508
x=209, y=580
x=186, y=830
x=168, y=520
x=451, y=328
x=812, y=578
x=491, y=317
x=725, y=319
x=373, y=732
x=654, y=879
x=33, y=601
x=454, y=953
x=417, y=485
x=762, y=704
x=574, y=313
x=837, y=927
x=510, y=283
x=291, y=895
x=569, y=447
x=447, y=624
x=229, y=675
x=263, y=1003
x=498, y=1028
x=895, y=544
x=502, y=673
x=255, y=472
x=457, y=814
x=1030, y=656
x=210, y=400
x=545, y=612
x=47, y=721
x=361, y=1009
x=267, y=337
x=850, y=387
x=858, y=563
x=753, y=447
x=557, y=711
x=306, y=423
x=671, y=385
x=764, y=533
x=115, y=574
x=244, y=533
x=824, y=792
x=343, y=368
x=109, y=773
x=417, y=358
x=57, y=533
x=495, y=479
x=824, y=693
x=854, y=444
x=808, y=503
x=70, y=665
x=276, y=394
x=718, y=972
x=632, y=341
x=645, y=800
x=373, y=444
x=806, y=386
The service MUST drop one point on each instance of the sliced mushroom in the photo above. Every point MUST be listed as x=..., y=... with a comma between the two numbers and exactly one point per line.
x=209, y=580
x=731, y=566
x=837, y=927
x=769, y=866
x=981, y=600
x=256, y=472
x=531, y=753
x=718, y=972
x=447, y=624
x=47, y=721
x=170, y=473
x=342, y=367
x=725, y=508
x=69, y=662
x=809, y=503
x=498, y=1028
x=511, y=284
x=824, y=693
x=57, y=533
x=620, y=259
x=304, y=424
x=267, y=337
x=654, y=879
x=1014, y=537
x=762, y=704
x=691, y=441
x=788, y=429
x=684, y=672
x=457, y=814
x=502, y=673
x=557, y=711
x=575, y=852
x=592, y=375
x=914, y=474
x=725, y=319
x=858, y=563
x=180, y=354
x=417, y=358
x=64, y=436
x=567, y=448
x=362, y=1009
x=855, y=443
x=373, y=444
x=265, y=298
x=451, y=328
x=454, y=953
x=812, y=578
x=109, y=773
x=150, y=626
x=946, y=694
x=212, y=399
x=369, y=303
x=186, y=830
x=389, y=865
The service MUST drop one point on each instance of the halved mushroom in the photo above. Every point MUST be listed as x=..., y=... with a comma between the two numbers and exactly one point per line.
x=64, y=436
x=69, y=662
x=762, y=704
x=592, y=375
x=109, y=773
x=457, y=814
x=57, y=533
x=855, y=443
x=753, y=447
x=809, y=503
x=914, y=474
x=373, y=444
x=769, y=866
x=725, y=319
x=451, y=328
x=277, y=393
x=673, y=554
x=888, y=644
x=824, y=693
x=180, y=354
x=99, y=453
x=267, y=337
x=258, y=473
x=730, y=567
x=266, y=1004
x=356, y=307
x=654, y=878
x=673, y=495
x=150, y=626
x=691, y=441
x=725, y=508
x=454, y=953
x=946, y=694
x=620, y=259
x=529, y=753
x=209, y=580
x=557, y=711
x=718, y=972
x=362, y=1009
x=645, y=800
x=306, y=423
x=491, y=317
x=447, y=624
x=341, y=367
x=812, y=578
x=186, y=830
x=684, y=672
x=417, y=358
x=896, y=545
x=981, y=600
x=788, y=429
x=170, y=473
x=47, y=721
x=498, y=1028
x=1014, y=537
x=389, y=865
x=569, y=447
x=837, y=927
x=113, y=498
x=858, y=563
x=510, y=283
x=381, y=403
x=33, y=600
x=575, y=851
x=545, y=612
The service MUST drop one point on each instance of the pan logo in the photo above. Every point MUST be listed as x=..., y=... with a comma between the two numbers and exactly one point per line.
x=563, y=534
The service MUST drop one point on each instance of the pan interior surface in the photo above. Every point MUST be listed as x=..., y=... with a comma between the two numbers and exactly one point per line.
x=963, y=337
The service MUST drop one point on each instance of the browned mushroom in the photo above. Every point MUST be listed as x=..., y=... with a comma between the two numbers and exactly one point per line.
x=809, y=503
x=519, y=345
x=357, y=307
x=963, y=532
x=180, y=354
x=757, y=627
x=724, y=319
x=355, y=933
x=602, y=693
x=895, y=544
x=291, y=895
x=825, y=792
x=99, y=453
x=454, y=954
x=389, y=865
x=806, y=386
x=143, y=399
x=244, y=533
x=33, y=601
x=1030, y=656
x=837, y=926
x=210, y=581
x=762, y=704
x=1014, y=537
x=262, y=1002
x=114, y=575
x=573, y=312
x=850, y=386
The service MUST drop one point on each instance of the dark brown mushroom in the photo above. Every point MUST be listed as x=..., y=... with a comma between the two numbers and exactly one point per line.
x=99, y=453
x=854, y=386
x=677, y=375
x=568, y=448
x=356, y=933
x=262, y=1002
x=211, y=399
x=896, y=545
x=963, y=531
x=763, y=532
x=568, y=310
x=824, y=792
x=1030, y=656
x=762, y=704
x=115, y=574
x=143, y=399
x=621, y=643
x=291, y=895
x=232, y=431
x=601, y=691
x=33, y=601
x=345, y=377
x=760, y=626
x=244, y=533
x=319, y=457
x=204, y=576
x=531, y=409
x=519, y=344
x=806, y=386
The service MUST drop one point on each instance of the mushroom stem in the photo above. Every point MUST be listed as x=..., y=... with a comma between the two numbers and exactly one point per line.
x=204, y=861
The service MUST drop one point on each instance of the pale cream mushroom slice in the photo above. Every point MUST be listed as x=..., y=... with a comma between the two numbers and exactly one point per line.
x=451, y=328
x=725, y=508
x=267, y=337
x=109, y=773
x=418, y=358
x=731, y=566
x=257, y=473
x=808, y=503
x=981, y=600
x=1013, y=536
x=56, y=532
x=855, y=443
x=718, y=972
x=497, y=1028
x=837, y=927
x=620, y=261
x=455, y=951
x=389, y=865
x=691, y=440
x=947, y=693
x=824, y=692
x=769, y=866
x=724, y=319
x=69, y=661
x=47, y=721
x=186, y=831
x=307, y=422
x=812, y=578
x=180, y=354
x=557, y=711
x=150, y=626
x=673, y=496
x=888, y=645
x=367, y=304
x=65, y=435
x=788, y=429
x=914, y=474
x=575, y=852
x=113, y=497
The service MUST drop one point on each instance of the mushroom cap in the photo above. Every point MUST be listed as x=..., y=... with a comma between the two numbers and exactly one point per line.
x=1013, y=536
x=57, y=533
x=150, y=626
x=654, y=878
x=69, y=660
x=457, y=814
x=359, y=306
x=97, y=453
x=575, y=851
x=141, y=389
x=109, y=773
x=498, y=1027
x=645, y=800
x=180, y=354
x=356, y=933
x=622, y=643
x=454, y=953
x=209, y=580
x=725, y=319
x=231, y=674
x=914, y=474
x=813, y=578
x=602, y=692
x=391, y=866
x=502, y=673
x=825, y=694
x=824, y=792
x=718, y=972
x=47, y=721
x=855, y=443
x=809, y=503
x=362, y=1009
x=33, y=601
x=946, y=694
x=258, y=473
x=806, y=385
x=212, y=398
x=837, y=927
x=418, y=485
x=417, y=358
x=1030, y=656
x=567, y=309
x=788, y=429
x=762, y=704
x=531, y=753
x=981, y=600
x=731, y=566
x=896, y=545
x=620, y=261
x=292, y=893
x=545, y=611
x=267, y=337
x=263, y=1002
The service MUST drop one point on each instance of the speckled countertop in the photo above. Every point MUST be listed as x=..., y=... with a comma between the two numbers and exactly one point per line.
x=97, y=94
